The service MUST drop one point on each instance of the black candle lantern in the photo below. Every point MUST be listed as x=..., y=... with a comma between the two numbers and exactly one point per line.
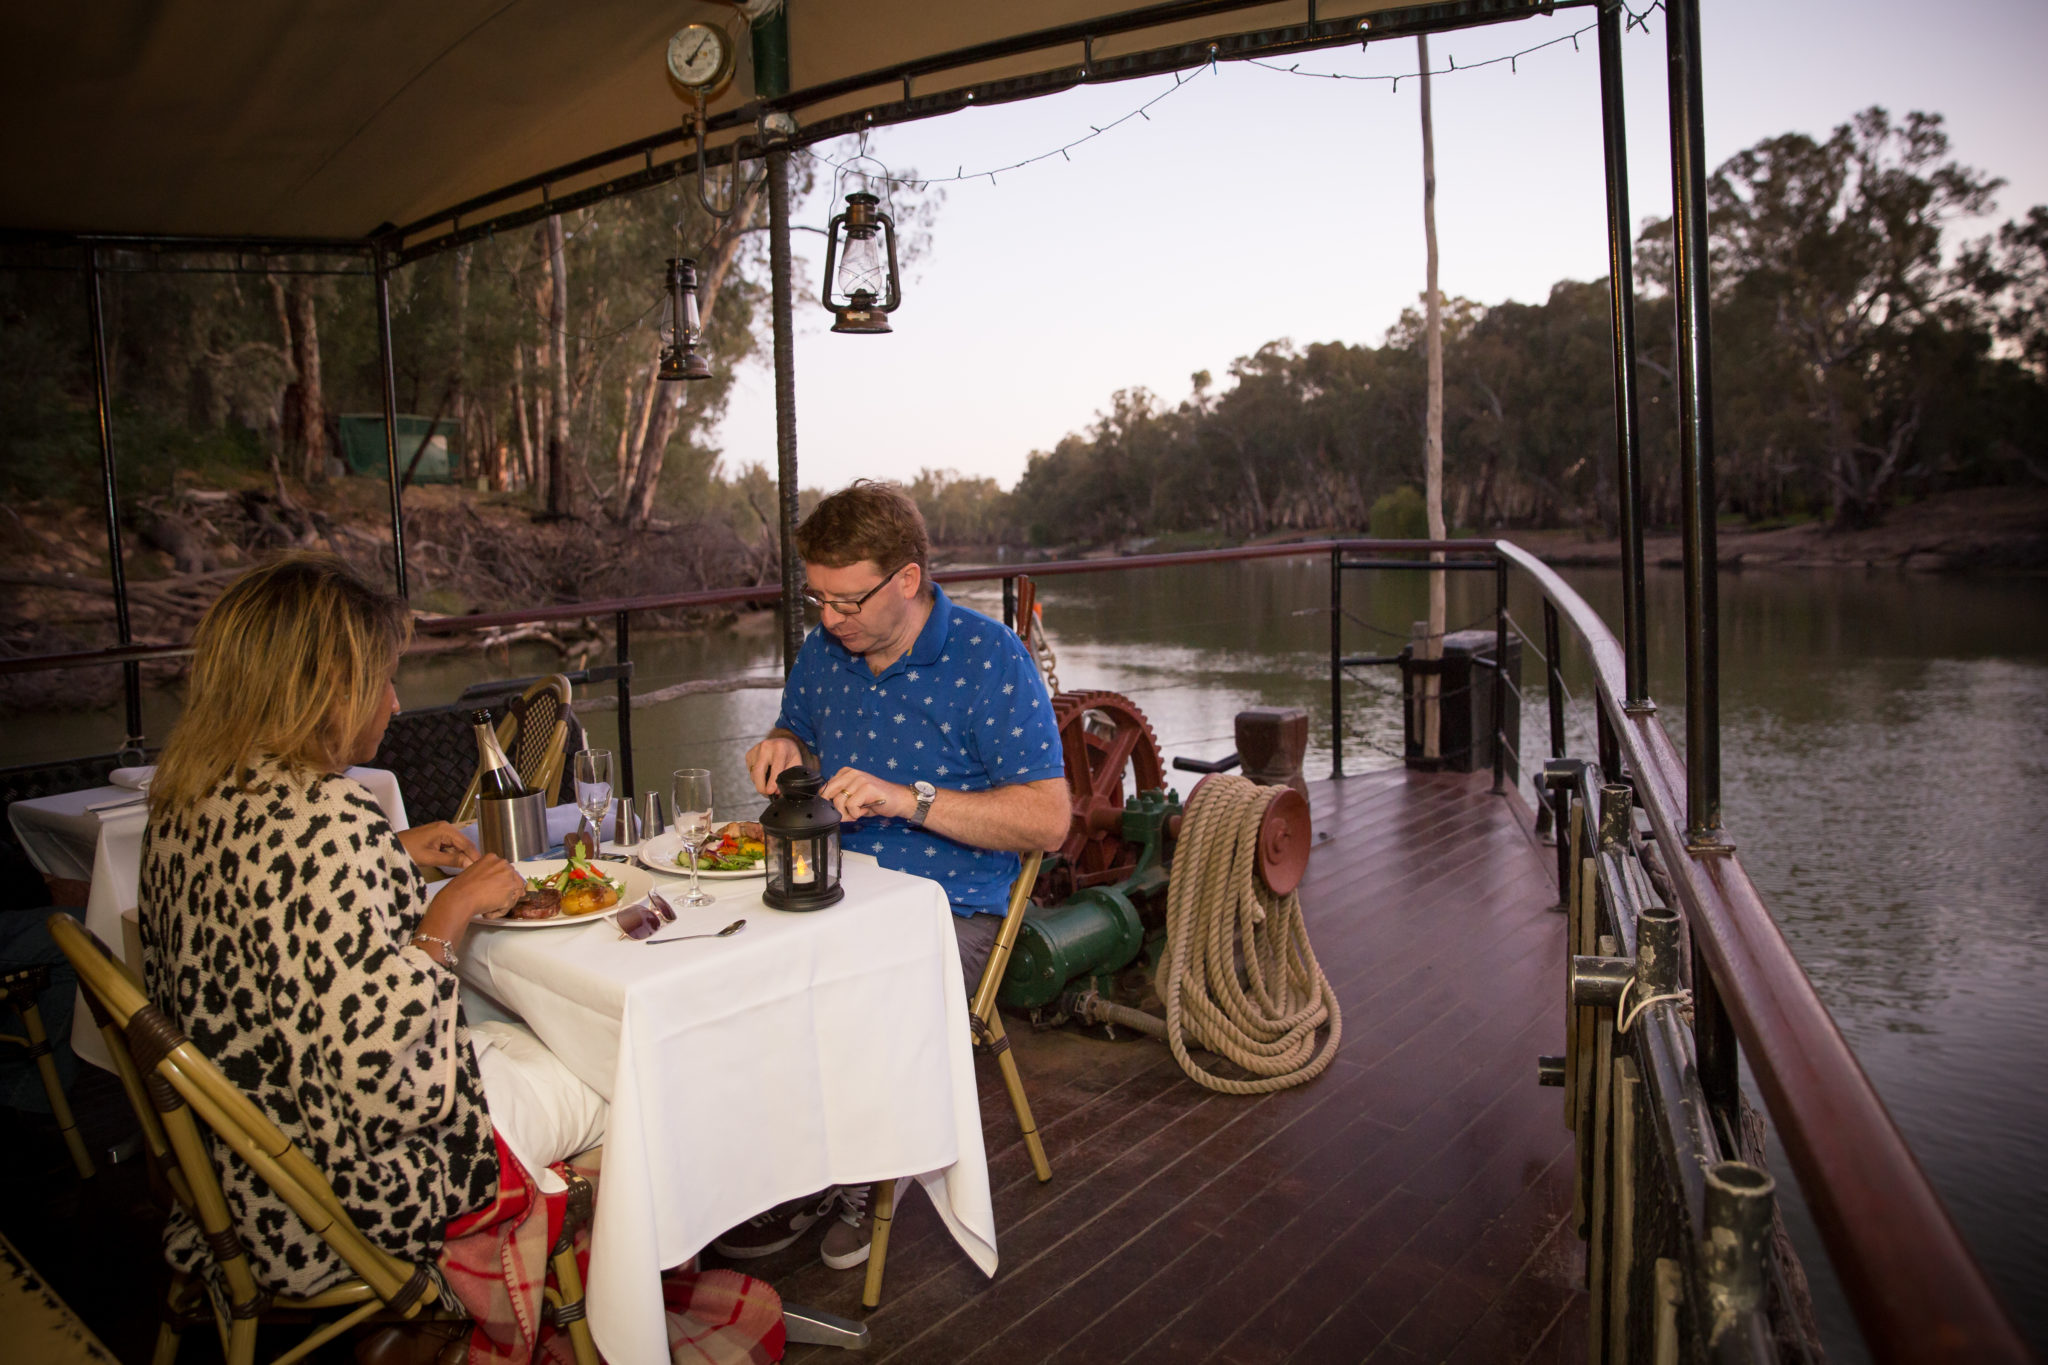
x=861, y=284
x=680, y=331
x=801, y=830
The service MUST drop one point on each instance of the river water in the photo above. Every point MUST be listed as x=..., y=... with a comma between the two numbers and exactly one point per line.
x=1884, y=775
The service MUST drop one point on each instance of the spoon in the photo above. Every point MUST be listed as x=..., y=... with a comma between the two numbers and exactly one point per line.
x=727, y=932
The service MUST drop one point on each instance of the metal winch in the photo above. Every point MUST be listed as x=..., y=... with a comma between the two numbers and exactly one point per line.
x=1099, y=903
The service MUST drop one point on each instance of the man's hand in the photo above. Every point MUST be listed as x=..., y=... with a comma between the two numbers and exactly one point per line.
x=771, y=756
x=439, y=844
x=856, y=793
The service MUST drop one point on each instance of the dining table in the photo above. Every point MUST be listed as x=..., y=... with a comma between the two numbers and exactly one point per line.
x=810, y=1049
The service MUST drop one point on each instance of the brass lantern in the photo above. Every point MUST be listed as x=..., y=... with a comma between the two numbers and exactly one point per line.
x=680, y=331
x=801, y=831
x=864, y=288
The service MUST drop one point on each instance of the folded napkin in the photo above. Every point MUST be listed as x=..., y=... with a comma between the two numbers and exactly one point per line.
x=134, y=779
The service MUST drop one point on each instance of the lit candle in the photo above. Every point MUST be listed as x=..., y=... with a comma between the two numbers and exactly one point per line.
x=799, y=866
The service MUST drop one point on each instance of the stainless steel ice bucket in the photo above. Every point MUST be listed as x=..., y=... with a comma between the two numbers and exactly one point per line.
x=513, y=827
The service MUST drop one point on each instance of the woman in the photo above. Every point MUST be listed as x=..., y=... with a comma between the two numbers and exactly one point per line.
x=286, y=928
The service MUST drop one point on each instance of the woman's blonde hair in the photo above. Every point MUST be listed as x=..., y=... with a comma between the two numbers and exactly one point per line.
x=290, y=662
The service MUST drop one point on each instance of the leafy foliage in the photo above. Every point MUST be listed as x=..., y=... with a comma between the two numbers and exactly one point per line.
x=1854, y=362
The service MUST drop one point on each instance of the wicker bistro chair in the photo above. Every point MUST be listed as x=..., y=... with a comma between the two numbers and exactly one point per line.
x=168, y=1079
x=18, y=991
x=987, y=1023
x=534, y=735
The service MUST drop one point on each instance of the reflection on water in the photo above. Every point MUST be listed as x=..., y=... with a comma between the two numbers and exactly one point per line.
x=1885, y=781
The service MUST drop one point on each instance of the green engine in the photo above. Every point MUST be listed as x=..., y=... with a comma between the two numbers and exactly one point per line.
x=1099, y=930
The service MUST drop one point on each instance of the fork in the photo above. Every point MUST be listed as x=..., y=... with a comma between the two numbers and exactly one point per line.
x=727, y=932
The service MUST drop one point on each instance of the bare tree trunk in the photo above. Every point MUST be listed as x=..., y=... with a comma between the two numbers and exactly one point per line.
x=668, y=415
x=458, y=395
x=1433, y=447
x=559, y=494
x=303, y=420
x=526, y=452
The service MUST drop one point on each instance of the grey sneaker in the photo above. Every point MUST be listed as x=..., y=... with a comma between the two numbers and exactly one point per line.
x=767, y=1233
x=852, y=1233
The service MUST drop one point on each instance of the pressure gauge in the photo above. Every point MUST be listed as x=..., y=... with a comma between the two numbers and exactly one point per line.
x=700, y=57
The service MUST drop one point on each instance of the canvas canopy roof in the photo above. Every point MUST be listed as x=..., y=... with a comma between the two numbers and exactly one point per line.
x=343, y=119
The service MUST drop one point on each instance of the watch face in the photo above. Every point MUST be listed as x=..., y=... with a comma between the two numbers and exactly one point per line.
x=924, y=789
x=697, y=56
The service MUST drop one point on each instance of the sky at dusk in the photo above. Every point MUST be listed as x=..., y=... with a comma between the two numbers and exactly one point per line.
x=1253, y=205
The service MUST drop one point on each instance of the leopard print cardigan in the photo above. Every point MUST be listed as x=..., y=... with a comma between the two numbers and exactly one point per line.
x=276, y=915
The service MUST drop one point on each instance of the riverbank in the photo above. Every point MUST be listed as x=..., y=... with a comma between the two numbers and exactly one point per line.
x=465, y=552
x=1980, y=530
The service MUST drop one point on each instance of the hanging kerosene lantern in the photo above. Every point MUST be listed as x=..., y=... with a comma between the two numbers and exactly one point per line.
x=865, y=288
x=680, y=332
x=801, y=831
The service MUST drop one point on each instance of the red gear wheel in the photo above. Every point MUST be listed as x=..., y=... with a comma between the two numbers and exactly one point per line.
x=1102, y=734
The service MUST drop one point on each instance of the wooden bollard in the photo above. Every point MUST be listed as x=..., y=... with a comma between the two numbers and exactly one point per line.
x=1271, y=741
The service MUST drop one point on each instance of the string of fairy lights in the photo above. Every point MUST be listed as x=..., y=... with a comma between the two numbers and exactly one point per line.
x=1633, y=20
x=857, y=164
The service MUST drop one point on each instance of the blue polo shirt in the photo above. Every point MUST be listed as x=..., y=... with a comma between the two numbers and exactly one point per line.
x=962, y=709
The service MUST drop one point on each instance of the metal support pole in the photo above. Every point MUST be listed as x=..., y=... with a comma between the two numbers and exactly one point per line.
x=1716, y=1050
x=770, y=41
x=1336, y=663
x=391, y=423
x=1500, y=672
x=1622, y=304
x=785, y=402
x=131, y=673
x=623, y=648
x=1696, y=429
x=1553, y=678
x=1548, y=810
x=1609, y=746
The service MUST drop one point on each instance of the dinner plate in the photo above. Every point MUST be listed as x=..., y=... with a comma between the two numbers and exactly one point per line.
x=664, y=854
x=634, y=884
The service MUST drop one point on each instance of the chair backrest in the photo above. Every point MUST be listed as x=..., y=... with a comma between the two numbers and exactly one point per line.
x=169, y=1080
x=1006, y=938
x=534, y=735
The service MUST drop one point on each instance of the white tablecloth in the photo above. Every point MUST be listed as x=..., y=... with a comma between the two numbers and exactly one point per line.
x=60, y=835
x=65, y=839
x=808, y=1050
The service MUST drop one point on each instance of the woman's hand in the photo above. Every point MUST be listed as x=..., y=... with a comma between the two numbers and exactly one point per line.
x=439, y=844
x=485, y=889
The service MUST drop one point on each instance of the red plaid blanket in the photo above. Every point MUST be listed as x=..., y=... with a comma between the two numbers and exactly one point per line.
x=496, y=1262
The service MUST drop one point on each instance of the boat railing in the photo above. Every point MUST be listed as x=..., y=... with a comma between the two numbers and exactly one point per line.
x=1677, y=974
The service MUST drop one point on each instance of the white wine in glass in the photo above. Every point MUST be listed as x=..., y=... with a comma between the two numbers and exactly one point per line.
x=691, y=794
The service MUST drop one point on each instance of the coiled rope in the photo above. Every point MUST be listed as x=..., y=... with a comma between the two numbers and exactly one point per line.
x=1241, y=978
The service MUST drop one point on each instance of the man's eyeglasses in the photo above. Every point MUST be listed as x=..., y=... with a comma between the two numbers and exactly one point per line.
x=852, y=608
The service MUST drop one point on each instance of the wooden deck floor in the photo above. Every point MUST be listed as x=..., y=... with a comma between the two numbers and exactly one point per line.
x=1408, y=1205
x=1411, y=1204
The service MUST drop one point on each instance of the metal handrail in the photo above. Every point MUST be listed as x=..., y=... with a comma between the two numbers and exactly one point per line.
x=1916, y=1288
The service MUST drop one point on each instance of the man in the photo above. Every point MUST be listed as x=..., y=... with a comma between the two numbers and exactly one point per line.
x=939, y=740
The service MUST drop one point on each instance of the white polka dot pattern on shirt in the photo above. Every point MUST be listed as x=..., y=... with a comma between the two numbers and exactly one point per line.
x=990, y=727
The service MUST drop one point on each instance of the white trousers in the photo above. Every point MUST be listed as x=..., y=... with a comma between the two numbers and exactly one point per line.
x=542, y=1110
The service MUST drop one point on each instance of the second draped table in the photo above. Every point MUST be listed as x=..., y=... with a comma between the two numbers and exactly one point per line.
x=808, y=1050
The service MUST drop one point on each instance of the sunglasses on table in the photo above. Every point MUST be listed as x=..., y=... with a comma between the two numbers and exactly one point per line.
x=852, y=608
x=641, y=921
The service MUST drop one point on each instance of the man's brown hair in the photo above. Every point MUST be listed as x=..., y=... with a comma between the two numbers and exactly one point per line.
x=867, y=520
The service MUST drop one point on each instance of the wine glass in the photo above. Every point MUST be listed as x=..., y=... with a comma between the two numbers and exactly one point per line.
x=692, y=799
x=594, y=789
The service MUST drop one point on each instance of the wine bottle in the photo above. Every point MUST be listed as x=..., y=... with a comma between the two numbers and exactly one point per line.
x=495, y=776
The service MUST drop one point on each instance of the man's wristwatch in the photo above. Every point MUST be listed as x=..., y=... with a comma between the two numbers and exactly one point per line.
x=925, y=792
